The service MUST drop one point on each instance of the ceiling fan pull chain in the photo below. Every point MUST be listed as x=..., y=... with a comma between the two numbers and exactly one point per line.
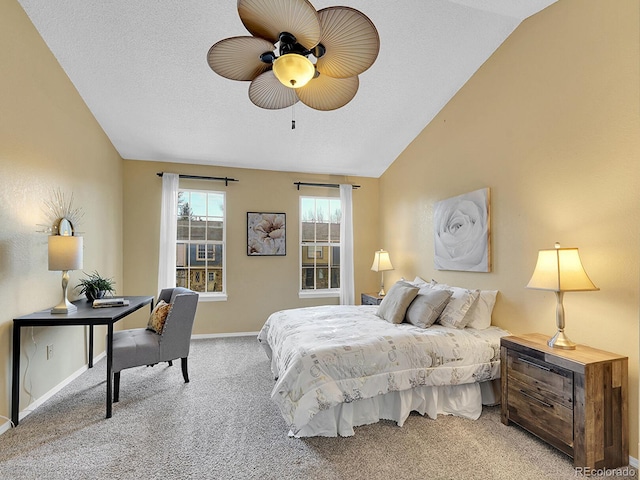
x=293, y=117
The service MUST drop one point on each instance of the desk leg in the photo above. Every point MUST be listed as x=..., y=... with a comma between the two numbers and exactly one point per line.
x=15, y=377
x=90, y=346
x=109, y=368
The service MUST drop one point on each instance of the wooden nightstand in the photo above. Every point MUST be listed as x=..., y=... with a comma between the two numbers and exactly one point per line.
x=370, y=299
x=575, y=400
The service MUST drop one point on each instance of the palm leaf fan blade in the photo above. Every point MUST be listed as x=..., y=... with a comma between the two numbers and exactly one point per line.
x=328, y=93
x=238, y=58
x=269, y=18
x=266, y=91
x=351, y=42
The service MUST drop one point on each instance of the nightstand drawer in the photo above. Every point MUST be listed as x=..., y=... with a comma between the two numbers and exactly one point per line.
x=547, y=382
x=543, y=417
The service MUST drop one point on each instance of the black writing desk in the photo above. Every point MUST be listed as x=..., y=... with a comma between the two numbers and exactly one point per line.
x=86, y=315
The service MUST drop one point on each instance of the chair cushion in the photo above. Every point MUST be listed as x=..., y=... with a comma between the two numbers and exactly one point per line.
x=132, y=348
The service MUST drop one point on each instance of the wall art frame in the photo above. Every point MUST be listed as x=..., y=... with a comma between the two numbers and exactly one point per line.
x=266, y=234
x=462, y=232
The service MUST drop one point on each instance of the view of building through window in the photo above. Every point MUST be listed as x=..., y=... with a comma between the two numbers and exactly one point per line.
x=320, y=243
x=200, y=241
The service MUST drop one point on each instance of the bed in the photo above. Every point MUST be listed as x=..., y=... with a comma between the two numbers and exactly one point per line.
x=338, y=367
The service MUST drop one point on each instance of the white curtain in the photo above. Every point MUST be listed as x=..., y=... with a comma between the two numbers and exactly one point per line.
x=168, y=231
x=347, y=283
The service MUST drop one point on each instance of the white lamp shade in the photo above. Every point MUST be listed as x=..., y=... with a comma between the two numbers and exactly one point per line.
x=381, y=261
x=293, y=70
x=65, y=252
x=560, y=270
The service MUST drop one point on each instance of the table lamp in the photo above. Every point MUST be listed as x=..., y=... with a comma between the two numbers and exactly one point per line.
x=560, y=270
x=65, y=253
x=381, y=263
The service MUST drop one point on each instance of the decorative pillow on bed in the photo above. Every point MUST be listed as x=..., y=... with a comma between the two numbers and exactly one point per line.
x=420, y=282
x=454, y=314
x=427, y=307
x=395, y=303
x=158, y=317
x=480, y=312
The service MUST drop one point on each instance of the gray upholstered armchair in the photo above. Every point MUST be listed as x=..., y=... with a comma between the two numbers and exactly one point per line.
x=140, y=346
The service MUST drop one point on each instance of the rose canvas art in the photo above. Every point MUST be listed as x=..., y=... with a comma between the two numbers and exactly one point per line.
x=461, y=232
x=266, y=234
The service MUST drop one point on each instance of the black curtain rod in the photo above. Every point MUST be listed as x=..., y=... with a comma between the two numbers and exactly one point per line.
x=226, y=180
x=328, y=185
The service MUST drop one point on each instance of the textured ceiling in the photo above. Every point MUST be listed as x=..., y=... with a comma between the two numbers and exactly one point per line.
x=141, y=68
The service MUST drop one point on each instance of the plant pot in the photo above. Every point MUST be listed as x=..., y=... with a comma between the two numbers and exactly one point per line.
x=94, y=295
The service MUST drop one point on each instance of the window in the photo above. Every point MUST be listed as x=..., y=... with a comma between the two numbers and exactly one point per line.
x=200, y=241
x=320, y=245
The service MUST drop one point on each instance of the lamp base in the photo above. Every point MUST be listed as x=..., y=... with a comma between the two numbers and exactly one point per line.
x=65, y=306
x=64, y=309
x=382, y=293
x=560, y=340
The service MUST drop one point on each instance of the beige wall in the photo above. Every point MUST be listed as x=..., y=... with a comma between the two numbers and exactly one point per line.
x=256, y=286
x=551, y=124
x=48, y=140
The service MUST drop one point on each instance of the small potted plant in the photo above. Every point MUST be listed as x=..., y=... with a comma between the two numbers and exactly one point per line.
x=95, y=286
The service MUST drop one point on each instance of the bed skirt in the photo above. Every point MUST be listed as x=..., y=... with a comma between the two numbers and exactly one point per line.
x=461, y=400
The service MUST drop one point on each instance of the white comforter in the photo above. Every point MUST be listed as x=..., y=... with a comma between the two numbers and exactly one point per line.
x=324, y=356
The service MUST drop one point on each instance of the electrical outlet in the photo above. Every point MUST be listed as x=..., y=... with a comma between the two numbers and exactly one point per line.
x=49, y=352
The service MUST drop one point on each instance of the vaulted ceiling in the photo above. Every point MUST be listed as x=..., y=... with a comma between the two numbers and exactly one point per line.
x=141, y=67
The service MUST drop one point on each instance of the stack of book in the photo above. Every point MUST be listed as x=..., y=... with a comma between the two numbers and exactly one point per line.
x=110, y=302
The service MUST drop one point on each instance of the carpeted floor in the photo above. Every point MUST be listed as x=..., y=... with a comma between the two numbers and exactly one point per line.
x=223, y=425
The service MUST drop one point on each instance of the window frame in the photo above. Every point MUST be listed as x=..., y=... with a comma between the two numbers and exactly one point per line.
x=324, y=245
x=206, y=296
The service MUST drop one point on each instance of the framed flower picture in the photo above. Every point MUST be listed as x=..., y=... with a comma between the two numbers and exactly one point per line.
x=266, y=234
x=462, y=236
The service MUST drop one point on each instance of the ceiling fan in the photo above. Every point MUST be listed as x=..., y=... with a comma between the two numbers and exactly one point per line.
x=298, y=53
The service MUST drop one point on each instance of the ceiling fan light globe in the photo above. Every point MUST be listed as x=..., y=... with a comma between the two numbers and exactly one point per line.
x=293, y=70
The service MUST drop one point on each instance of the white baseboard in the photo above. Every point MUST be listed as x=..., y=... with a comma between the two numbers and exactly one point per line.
x=6, y=426
x=222, y=335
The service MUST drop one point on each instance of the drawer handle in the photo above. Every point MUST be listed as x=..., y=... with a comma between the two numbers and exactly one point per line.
x=541, y=367
x=548, y=405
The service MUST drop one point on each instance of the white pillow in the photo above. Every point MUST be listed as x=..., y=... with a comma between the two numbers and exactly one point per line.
x=454, y=314
x=422, y=284
x=480, y=312
x=419, y=282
